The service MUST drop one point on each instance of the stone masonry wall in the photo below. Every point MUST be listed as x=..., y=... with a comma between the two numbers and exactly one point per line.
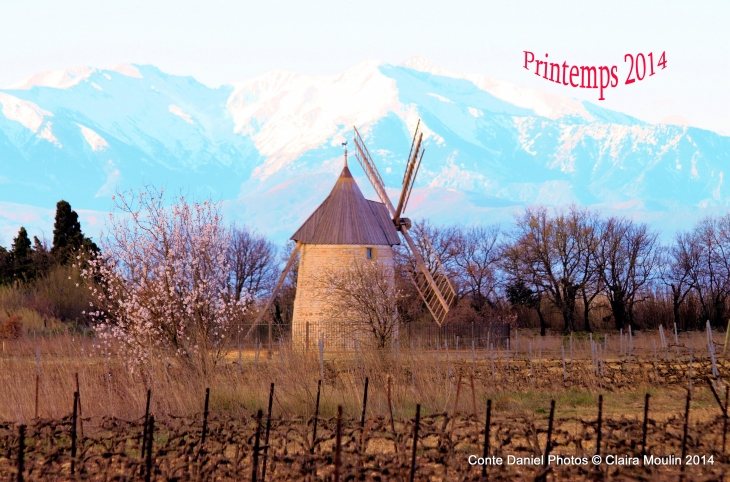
x=309, y=303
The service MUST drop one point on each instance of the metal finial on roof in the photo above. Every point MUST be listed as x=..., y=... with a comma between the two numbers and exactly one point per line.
x=345, y=146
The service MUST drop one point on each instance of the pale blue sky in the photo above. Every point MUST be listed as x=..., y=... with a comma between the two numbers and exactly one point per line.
x=223, y=41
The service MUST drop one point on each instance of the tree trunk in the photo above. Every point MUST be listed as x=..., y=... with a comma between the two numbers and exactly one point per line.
x=568, y=308
x=586, y=311
x=543, y=323
x=618, y=308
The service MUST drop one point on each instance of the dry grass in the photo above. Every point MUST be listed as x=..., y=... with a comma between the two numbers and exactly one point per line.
x=518, y=383
x=520, y=386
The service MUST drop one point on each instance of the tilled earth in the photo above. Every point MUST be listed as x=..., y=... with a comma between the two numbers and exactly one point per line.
x=110, y=449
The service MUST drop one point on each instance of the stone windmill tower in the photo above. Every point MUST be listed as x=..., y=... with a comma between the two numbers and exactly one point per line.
x=346, y=227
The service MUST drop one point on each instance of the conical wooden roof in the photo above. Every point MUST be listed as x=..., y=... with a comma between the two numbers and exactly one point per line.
x=346, y=217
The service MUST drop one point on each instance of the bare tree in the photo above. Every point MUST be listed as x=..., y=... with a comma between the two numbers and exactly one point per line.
x=711, y=272
x=475, y=257
x=628, y=257
x=679, y=262
x=282, y=309
x=591, y=269
x=363, y=299
x=254, y=264
x=523, y=288
x=410, y=305
x=554, y=251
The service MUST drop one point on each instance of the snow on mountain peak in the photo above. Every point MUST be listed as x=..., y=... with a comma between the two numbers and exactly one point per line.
x=423, y=64
x=542, y=103
x=179, y=112
x=95, y=141
x=287, y=114
x=127, y=69
x=57, y=79
x=27, y=113
x=492, y=146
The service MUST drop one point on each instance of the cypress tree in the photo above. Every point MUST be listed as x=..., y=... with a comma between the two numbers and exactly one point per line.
x=6, y=266
x=41, y=257
x=67, y=235
x=22, y=257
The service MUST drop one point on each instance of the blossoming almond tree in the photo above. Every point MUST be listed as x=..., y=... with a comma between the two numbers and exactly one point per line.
x=163, y=279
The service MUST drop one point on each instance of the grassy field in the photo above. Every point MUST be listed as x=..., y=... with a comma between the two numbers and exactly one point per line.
x=452, y=388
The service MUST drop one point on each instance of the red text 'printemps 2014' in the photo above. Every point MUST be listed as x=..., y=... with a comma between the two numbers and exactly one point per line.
x=595, y=77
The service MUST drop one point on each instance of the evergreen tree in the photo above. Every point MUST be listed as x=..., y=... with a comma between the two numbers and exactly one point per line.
x=42, y=260
x=6, y=266
x=22, y=257
x=67, y=235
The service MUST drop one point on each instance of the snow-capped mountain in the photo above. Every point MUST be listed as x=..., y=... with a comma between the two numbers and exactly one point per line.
x=270, y=147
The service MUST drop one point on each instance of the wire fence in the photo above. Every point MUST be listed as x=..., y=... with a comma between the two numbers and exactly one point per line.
x=420, y=335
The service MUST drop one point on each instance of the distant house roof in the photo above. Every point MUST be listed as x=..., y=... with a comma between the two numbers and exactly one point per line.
x=346, y=217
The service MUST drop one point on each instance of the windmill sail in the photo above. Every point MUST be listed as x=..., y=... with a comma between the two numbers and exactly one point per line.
x=363, y=157
x=410, y=175
x=432, y=284
x=277, y=287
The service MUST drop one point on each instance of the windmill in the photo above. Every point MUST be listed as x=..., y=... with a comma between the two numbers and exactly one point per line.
x=346, y=226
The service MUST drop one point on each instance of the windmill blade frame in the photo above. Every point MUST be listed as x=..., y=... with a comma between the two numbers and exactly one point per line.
x=408, y=179
x=437, y=295
x=410, y=152
x=408, y=196
x=277, y=287
x=434, y=287
x=371, y=172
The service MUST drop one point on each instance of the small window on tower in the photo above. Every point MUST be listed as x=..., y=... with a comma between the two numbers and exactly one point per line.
x=369, y=253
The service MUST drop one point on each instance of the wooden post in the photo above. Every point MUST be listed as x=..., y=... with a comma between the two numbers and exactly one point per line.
x=486, y=436
x=390, y=409
x=364, y=403
x=646, y=421
x=150, y=435
x=73, y=433
x=676, y=341
x=724, y=417
x=684, y=436
x=598, y=428
x=266, y=438
x=338, y=444
x=415, y=442
x=316, y=416
x=81, y=421
x=205, y=418
x=548, y=446
x=146, y=418
x=473, y=396
x=456, y=406
x=256, y=445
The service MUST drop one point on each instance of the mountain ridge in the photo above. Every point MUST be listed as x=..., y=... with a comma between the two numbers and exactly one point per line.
x=270, y=147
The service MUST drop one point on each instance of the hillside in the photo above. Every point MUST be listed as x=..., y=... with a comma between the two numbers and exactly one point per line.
x=270, y=147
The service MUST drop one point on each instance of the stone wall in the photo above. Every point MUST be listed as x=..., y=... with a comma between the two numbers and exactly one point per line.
x=309, y=307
